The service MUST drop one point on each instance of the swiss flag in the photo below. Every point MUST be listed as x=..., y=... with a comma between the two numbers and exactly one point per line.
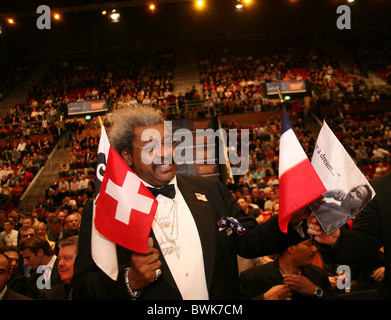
x=125, y=208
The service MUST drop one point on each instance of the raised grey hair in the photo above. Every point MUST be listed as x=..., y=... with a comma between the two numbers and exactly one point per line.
x=124, y=121
x=69, y=241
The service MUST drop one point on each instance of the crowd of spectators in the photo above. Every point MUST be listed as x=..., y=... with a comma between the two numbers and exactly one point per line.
x=370, y=53
x=31, y=128
x=234, y=77
x=11, y=75
x=144, y=79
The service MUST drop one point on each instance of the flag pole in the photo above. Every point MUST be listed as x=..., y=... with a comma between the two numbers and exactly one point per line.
x=100, y=122
x=282, y=100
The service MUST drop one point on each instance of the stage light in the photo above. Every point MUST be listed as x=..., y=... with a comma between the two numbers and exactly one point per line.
x=104, y=12
x=56, y=16
x=152, y=7
x=114, y=16
x=11, y=21
x=200, y=3
x=350, y=1
x=88, y=117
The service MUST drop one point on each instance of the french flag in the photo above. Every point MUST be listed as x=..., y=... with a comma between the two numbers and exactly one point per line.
x=299, y=182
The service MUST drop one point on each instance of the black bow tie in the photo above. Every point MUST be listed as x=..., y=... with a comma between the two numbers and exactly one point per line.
x=167, y=191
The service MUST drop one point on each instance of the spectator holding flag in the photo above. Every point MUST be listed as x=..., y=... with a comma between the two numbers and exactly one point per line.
x=190, y=253
x=369, y=233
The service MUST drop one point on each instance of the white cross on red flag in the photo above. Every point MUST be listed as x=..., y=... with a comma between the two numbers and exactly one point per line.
x=125, y=208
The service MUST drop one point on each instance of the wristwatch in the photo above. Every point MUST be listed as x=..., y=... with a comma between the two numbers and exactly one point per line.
x=318, y=292
x=135, y=294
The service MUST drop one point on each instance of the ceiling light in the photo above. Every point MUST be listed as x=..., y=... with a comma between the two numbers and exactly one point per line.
x=114, y=16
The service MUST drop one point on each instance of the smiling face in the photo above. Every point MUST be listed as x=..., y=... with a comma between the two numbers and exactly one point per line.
x=66, y=261
x=151, y=158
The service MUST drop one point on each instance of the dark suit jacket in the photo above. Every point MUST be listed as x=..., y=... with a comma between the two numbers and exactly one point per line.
x=371, y=230
x=219, y=249
x=17, y=283
x=12, y=295
x=32, y=290
x=60, y=291
x=254, y=282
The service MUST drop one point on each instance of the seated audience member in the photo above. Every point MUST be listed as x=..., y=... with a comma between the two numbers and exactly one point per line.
x=62, y=214
x=64, y=169
x=250, y=202
x=250, y=212
x=273, y=198
x=9, y=237
x=291, y=276
x=68, y=249
x=72, y=225
x=24, y=233
x=43, y=262
x=17, y=281
x=257, y=199
x=74, y=187
x=5, y=292
x=28, y=220
x=56, y=231
x=42, y=233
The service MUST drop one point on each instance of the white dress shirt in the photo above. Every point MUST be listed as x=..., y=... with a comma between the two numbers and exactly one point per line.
x=174, y=220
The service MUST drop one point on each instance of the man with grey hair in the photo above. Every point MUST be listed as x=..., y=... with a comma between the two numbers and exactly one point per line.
x=68, y=249
x=190, y=256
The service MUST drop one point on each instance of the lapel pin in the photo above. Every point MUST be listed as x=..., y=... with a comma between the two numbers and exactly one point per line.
x=201, y=197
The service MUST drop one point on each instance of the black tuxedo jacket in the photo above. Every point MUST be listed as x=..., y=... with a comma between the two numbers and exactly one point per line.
x=371, y=230
x=219, y=249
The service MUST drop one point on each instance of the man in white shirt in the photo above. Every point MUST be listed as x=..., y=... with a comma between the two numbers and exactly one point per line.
x=44, y=271
x=9, y=237
x=191, y=255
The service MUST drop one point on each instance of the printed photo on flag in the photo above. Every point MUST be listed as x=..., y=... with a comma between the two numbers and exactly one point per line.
x=348, y=190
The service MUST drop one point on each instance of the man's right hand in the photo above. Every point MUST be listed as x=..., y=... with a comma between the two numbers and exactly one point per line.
x=278, y=292
x=315, y=230
x=143, y=267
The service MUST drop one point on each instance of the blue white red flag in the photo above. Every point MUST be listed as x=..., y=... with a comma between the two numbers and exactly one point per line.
x=299, y=182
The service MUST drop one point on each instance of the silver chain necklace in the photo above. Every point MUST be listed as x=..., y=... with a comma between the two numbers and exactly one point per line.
x=172, y=248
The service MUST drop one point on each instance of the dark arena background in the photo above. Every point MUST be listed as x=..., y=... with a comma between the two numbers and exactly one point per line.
x=206, y=64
